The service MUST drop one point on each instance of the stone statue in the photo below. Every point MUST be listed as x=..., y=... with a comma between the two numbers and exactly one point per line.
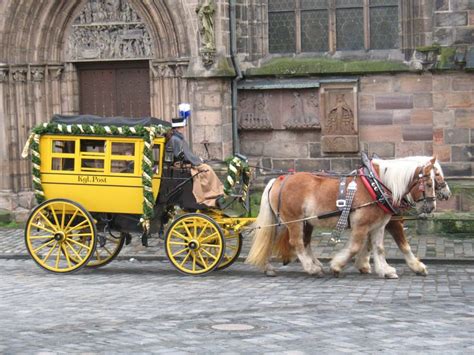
x=205, y=14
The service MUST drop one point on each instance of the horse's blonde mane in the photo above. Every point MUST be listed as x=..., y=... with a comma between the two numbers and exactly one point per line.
x=397, y=174
x=422, y=159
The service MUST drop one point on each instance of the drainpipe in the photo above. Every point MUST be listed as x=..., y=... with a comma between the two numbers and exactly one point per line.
x=235, y=80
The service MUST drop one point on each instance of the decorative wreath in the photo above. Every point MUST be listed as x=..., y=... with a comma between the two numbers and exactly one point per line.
x=237, y=169
x=147, y=133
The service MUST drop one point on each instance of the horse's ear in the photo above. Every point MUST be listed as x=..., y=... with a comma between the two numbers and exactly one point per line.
x=433, y=160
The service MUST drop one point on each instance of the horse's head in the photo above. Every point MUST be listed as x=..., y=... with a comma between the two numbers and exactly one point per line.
x=442, y=189
x=422, y=188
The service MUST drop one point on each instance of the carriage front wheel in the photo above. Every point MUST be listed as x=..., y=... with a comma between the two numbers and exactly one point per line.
x=60, y=235
x=194, y=244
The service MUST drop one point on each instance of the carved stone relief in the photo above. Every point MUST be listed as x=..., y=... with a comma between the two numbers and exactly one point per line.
x=108, y=29
x=3, y=75
x=168, y=70
x=37, y=74
x=278, y=109
x=339, y=128
x=19, y=75
x=205, y=12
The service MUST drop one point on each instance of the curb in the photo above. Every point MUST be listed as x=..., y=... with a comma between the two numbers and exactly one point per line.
x=437, y=261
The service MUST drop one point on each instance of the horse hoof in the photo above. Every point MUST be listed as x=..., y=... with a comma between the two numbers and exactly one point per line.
x=270, y=273
x=336, y=273
x=365, y=270
x=391, y=276
x=422, y=273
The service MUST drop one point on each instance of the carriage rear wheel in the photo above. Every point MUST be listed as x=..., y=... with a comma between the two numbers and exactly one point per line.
x=194, y=244
x=60, y=235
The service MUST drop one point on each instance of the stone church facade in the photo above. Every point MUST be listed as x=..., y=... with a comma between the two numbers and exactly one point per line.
x=293, y=84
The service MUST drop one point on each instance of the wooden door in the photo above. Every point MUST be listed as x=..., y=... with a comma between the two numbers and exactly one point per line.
x=114, y=89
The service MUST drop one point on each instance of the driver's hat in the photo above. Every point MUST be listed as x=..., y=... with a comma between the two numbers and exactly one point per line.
x=178, y=122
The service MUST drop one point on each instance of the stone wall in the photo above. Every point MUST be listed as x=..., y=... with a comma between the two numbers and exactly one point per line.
x=399, y=115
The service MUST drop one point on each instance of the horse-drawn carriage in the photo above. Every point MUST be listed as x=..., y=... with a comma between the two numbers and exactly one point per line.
x=98, y=180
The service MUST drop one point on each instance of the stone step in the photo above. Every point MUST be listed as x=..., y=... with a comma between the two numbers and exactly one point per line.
x=5, y=216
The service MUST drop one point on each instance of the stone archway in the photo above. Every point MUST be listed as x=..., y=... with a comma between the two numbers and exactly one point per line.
x=38, y=78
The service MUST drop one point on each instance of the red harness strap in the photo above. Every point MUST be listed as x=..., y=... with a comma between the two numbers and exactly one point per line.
x=372, y=193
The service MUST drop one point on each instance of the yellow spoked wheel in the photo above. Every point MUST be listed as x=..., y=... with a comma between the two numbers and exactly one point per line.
x=106, y=250
x=194, y=244
x=60, y=235
x=233, y=247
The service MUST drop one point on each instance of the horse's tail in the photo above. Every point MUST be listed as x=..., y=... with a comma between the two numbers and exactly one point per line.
x=263, y=239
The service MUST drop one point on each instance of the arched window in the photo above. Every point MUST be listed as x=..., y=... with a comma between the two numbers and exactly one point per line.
x=296, y=26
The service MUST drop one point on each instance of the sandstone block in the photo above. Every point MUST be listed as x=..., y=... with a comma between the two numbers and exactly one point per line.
x=285, y=150
x=465, y=83
x=382, y=149
x=376, y=85
x=443, y=118
x=441, y=82
x=401, y=117
x=438, y=136
x=366, y=102
x=393, y=102
x=423, y=100
x=315, y=150
x=283, y=164
x=381, y=134
x=312, y=164
x=417, y=133
x=344, y=166
x=444, y=36
x=442, y=152
x=456, y=169
x=464, y=153
x=212, y=100
x=416, y=83
x=406, y=149
x=208, y=117
x=340, y=144
x=375, y=117
x=422, y=117
x=464, y=36
x=456, y=136
x=252, y=148
x=464, y=118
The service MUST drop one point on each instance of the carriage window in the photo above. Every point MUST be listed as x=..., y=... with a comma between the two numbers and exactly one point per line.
x=62, y=164
x=92, y=146
x=122, y=166
x=64, y=146
x=92, y=164
x=123, y=148
x=156, y=159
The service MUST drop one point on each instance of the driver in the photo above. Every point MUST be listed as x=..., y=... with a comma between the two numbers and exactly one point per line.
x=206, y=185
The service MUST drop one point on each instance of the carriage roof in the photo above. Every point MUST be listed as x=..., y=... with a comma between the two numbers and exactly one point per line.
x=109, y=121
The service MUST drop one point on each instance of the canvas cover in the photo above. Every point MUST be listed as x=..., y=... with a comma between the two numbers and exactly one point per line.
x=109, y=121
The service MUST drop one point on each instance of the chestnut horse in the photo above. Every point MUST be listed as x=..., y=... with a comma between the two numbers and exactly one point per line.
x=394, y=227
x=298, y=200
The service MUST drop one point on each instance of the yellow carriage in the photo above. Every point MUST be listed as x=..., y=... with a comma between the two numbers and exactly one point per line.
x=98, y=180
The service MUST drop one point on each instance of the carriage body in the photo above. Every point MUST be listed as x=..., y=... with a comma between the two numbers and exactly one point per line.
x=102, y=173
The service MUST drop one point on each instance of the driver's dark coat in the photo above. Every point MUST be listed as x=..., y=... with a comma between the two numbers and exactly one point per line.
x=179, y=144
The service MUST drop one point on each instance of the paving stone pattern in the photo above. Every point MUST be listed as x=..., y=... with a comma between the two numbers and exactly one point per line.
x=425, y=247
x=148, y=307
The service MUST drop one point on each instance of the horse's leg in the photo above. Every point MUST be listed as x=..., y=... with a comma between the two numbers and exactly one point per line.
x=362, y=261
x=356, y=241
x=307, y=232
x=382, y=268
x=297, y=241
x=395, y=228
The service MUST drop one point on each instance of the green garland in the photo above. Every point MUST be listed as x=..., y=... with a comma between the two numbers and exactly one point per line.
x=237, y=169
x=148, y=134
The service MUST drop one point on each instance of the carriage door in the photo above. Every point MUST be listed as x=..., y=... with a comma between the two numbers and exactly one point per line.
x=114, y=89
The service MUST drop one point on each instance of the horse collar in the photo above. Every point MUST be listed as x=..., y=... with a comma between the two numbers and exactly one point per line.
x=379, y=193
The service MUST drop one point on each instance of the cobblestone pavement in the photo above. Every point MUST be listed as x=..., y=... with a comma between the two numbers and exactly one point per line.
x=425, y=247
x=148, y=307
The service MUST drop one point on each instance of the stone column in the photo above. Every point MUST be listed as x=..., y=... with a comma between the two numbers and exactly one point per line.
x=5, y=187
